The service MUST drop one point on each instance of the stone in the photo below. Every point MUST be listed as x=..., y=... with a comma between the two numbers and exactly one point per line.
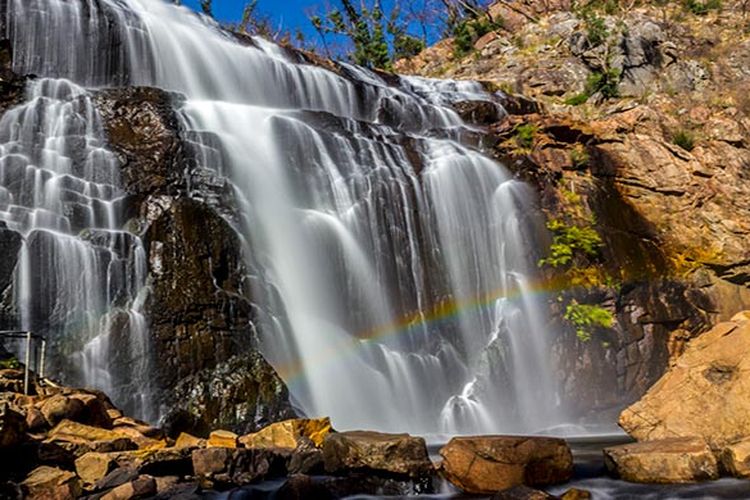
x=521, y=493
x=35, y=419
x=394, y=454
x=673, y=460
x=166, y=483
x=94, y=411
x=185, y=440
x=705, y=393
x=487, y=464
x=576, y=494
x=735, y=459
x=141, y=487
x=119, y=476
x=289, y=434
x=12, y=427
x=50, y=483
x=302, y=487
x=60, y=407
x=236, y=466
x=78, y=439
x=139, y=438
x=92, y=466
x=222, y=439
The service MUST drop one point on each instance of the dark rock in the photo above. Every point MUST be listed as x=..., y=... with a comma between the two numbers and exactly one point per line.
x=521, y=493
x=487, y=464
x=59, y=408
x=12, y=427
x=115, y=478
x=399, y=455
x=225, y=467
x=478, y=112
x=50, y=482
x=140, y=487
x=301, y=487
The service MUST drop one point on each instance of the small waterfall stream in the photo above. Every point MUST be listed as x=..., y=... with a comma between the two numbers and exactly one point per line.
x=395, y=264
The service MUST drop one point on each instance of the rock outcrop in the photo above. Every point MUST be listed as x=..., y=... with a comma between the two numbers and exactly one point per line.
x=487, y=464
x=675, y=460
x=706, y=393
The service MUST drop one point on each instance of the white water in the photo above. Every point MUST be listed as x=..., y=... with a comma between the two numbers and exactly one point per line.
x=395, y=267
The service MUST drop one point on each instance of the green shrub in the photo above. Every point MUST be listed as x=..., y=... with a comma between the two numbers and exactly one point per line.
x=579, y=157
x=604, y=82
x=525, y=134
x=701, y=7
x=684, y=139
x=586, y=318
x=577, y=99
x=596, y=30
x=9, y=363
x=468, y=31
x=569, y=240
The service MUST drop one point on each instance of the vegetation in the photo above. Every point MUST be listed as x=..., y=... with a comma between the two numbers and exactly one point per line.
x=579, y=156
x=569, y=240
x=12, y=363
x=586, y=318
x=525, y=134
x=685, y=139
x=701, y=7
x=467, y=31
x=603, y=82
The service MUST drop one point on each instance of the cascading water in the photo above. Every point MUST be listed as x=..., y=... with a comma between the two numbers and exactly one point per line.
x=395, y=270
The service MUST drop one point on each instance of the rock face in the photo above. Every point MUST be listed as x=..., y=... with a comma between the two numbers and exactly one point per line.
x=290, y=434
x=487, y=464
x=209, y=373
x=394, y=454
x=51, y=483
x=676, y=460
x=735, y=459
x=706, y=393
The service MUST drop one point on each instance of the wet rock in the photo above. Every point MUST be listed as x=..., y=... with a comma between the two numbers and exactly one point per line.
x=12, y=427
x=706, y=393
x=115, y=478
x=222, y=439
x=59, y=407
x=478, y=112
x=675, y=460
x=51, y=483
x=486, y=464
x=521, y=493
x=379, y=453
x=154, y=462
x=735, y=459
x=223, y=467
x=576, y=494
x=289, y=434
x=301, y=487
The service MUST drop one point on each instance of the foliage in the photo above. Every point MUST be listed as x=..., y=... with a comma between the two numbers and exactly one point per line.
x=586, y=318
x=603, y=82
x=685, y=139
x=596, y=30
x=12, y=363
x=568, y=240
x=579, y=157
x=701, y=7
x=470, y=29
x=525, y=134
x=206, y=7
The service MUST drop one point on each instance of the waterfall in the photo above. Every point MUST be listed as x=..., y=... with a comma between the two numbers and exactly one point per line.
x=395, y=264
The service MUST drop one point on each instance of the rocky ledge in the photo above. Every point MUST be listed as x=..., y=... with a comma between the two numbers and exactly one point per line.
x=66, y=443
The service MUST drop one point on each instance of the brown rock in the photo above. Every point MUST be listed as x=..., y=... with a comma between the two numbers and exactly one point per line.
x=397, y=454
x=50, y=483
x=91, y=467
x=675, y=460
x=706, y=393
x=222, y=439
x=60, y=407
x=94, y=411
x=12, y=427
x=576, y=494
x=139, y=439
x=289, y=433
x=141, y=487
x=735, y=459
x=78, y=439
x=236, y=466
x=35, y=419
x=486, y=464
x=185, y=440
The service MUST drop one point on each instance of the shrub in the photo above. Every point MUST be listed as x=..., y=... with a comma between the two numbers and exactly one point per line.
x=569, y=240
x=701, y=7
x=604, y=82
x=586, y=318
x=524, y=134
x=579, y=157
x=596, y=30
x=468, y=31
x=684, y=139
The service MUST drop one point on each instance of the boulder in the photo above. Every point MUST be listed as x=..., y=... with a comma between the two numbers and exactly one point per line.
x=12, y=427
x=706, y=393
x=140, y=487
x=735, y=459
x=185, y=440
x=115, y=478
x=92, y=467
x=674, y=460
x=222, y=439
x=78, y=439
x=487, y=464
x=236, y=466
x=60, y=407
x=390, y=454
x=50, y=483
x=158, y=462
x=289, y=433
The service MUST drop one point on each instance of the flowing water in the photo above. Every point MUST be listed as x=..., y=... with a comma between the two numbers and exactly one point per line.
x=395, y=264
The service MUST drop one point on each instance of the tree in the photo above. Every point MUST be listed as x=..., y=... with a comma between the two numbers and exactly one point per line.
x=206, y=7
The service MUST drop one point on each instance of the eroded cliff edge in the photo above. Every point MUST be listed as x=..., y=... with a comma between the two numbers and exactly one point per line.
x=634, y=126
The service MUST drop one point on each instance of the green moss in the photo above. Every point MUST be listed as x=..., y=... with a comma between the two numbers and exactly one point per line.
x=525, y=133
x=9, y=363
x=579, y=157
x=586, y=318
x=569, y=240
x=701, y=7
